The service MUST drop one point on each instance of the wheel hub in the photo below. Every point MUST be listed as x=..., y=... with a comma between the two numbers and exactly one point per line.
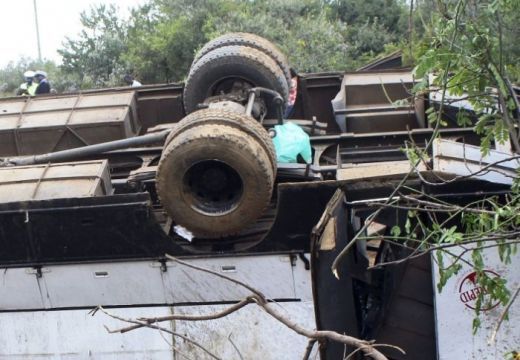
x=212, y=187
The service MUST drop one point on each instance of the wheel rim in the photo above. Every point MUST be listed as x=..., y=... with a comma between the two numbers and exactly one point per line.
x=212, y=187
x=230, y=85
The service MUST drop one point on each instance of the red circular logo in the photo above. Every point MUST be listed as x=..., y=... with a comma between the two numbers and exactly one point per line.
x=469, y=291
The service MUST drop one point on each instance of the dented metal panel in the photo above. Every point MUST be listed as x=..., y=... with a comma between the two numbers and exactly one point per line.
x=55, y=181
x=270, y=274
x=38, y=125
x=254, y=334
x=85, y=285
x=74, y=334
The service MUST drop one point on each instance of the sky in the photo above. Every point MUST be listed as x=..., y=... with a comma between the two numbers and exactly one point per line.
x=57, y=19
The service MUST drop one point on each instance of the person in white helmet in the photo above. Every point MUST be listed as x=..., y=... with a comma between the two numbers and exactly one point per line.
x=43, y=84
x=29, y=86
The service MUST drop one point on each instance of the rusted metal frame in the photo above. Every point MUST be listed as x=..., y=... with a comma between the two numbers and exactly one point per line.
x=290, y=253
x=76, y=135
x=350, y=138
x=61, y=109
x=322, y=79
x=360, y=148
x=371, y=108
x=44, y=172
x=67, y=127
x=41, y=179
x=362, y=155
x=318, y=152
x=18, y=124
x=63, y=208
x=301, y=122
x=305, y=97
x=72, y=154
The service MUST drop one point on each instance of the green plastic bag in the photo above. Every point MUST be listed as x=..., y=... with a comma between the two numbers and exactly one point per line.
x=291, y=140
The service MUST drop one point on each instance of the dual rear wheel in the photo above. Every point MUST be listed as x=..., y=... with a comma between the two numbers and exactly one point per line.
x=218, y=168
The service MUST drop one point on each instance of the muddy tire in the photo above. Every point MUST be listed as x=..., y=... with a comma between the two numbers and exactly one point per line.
x=250, y=40
x=221, y=117
x=218, y=72
x=214, y=179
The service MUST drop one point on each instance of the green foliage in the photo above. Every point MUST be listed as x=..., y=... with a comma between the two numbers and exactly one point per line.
x=163, y=36
x=158, y=41
x=491, y=222
x=94, y=57
x=468, y=47
x=387, y=12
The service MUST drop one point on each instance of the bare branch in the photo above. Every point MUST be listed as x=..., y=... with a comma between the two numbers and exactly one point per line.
x=367, y=347
x=254, y=291
x=180, y=317
x=268, y=307
x=151, y=326
x=435, y=133
x=308, y=349
x=443, y=247
x=503, y=316
x=482, y=171
x=235, y=347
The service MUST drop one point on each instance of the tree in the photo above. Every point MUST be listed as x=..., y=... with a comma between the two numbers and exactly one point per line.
x=464, y=48
x=95, y=57
x=161, y=37
x=164, y=35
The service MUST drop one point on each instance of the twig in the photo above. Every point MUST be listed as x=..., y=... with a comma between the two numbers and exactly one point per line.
x=443, y=247
x=235, y=347
x=254, y=291
x=308, y=349
x=373, y=216
x=482, y=171
x=174, y=348
x=503, y=316
x=368, y=349
x=214, y=316
x=349, y=356
x=93, y=312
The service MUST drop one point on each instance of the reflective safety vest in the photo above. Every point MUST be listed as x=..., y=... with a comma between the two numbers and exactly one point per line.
x=31, y=89
x=28, y=89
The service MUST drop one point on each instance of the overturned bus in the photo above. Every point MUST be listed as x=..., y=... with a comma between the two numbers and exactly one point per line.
x=97, y=186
